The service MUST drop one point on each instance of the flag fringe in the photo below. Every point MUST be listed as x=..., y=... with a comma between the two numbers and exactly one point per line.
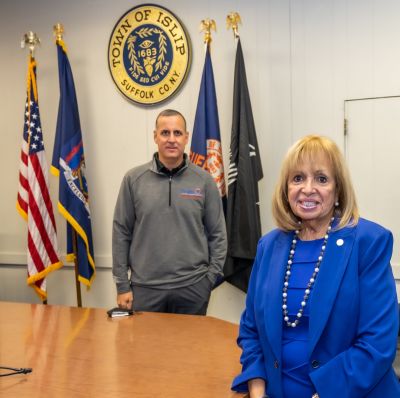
x=79, y=230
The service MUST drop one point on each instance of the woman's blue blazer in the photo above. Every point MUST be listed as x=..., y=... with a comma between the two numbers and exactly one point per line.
x=353, y=324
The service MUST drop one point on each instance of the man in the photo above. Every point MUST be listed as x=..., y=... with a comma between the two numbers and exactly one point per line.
x=168, y=229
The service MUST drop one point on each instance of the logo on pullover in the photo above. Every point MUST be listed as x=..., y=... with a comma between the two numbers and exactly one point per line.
x=195, y=194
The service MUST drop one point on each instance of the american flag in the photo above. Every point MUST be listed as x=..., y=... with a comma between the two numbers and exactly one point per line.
x=33, y=202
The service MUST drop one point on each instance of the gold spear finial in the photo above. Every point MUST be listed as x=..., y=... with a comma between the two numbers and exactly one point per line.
x=206, y=26
x=58, y=30
x=31, y=40
x=232, y=21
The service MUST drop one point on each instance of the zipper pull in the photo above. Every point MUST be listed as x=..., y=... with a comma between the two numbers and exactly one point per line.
x=170, y=194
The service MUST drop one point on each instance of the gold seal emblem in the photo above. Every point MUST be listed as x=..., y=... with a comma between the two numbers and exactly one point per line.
x=149, y=54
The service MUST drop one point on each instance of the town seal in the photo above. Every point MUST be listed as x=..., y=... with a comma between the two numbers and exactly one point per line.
x=149, y=54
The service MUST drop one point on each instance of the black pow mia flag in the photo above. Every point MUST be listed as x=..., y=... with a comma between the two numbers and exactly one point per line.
x=245, y=170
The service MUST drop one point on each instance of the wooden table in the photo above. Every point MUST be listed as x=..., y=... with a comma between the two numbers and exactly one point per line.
x=80, y=352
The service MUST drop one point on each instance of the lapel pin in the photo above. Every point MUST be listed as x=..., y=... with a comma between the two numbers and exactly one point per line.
x=340, y=242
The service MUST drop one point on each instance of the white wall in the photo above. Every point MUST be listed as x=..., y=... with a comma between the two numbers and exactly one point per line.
x=303, y=59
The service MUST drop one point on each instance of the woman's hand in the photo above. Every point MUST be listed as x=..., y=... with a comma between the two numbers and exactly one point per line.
x=256, y=388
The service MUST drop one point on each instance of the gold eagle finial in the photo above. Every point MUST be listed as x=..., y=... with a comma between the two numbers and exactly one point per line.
x=232, y=21
x=31, y=40
x=58, y=30
x=206, y=26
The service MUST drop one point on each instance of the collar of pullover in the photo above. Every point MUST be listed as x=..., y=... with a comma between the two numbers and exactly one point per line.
x=164, y=170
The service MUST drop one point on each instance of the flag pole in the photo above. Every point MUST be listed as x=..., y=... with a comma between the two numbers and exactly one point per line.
x=31, y=40
x=34, y=202
x=77, y=283
x=58, y=30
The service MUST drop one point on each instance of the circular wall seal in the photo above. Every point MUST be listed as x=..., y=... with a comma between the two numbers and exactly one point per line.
x=149, y=54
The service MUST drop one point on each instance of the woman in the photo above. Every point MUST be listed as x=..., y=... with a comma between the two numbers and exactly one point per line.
x=321, y=317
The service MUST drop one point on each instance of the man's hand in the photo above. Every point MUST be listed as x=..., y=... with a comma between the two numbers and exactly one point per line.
x=125, y=300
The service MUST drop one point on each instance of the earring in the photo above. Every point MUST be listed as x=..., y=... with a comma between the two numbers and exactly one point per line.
x=336, y=204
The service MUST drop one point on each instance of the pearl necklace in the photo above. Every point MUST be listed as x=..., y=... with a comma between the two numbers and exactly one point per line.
x=310, y=284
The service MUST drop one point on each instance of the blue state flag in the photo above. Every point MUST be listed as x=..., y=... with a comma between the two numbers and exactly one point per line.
x=69, y=165
x=206, y=149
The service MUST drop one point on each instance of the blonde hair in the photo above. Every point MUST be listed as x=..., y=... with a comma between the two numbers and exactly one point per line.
x=305, y=149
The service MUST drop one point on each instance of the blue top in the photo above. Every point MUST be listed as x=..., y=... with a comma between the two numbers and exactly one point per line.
x=295, y=374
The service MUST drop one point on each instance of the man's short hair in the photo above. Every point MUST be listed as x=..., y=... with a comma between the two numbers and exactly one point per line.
x=170, y=112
